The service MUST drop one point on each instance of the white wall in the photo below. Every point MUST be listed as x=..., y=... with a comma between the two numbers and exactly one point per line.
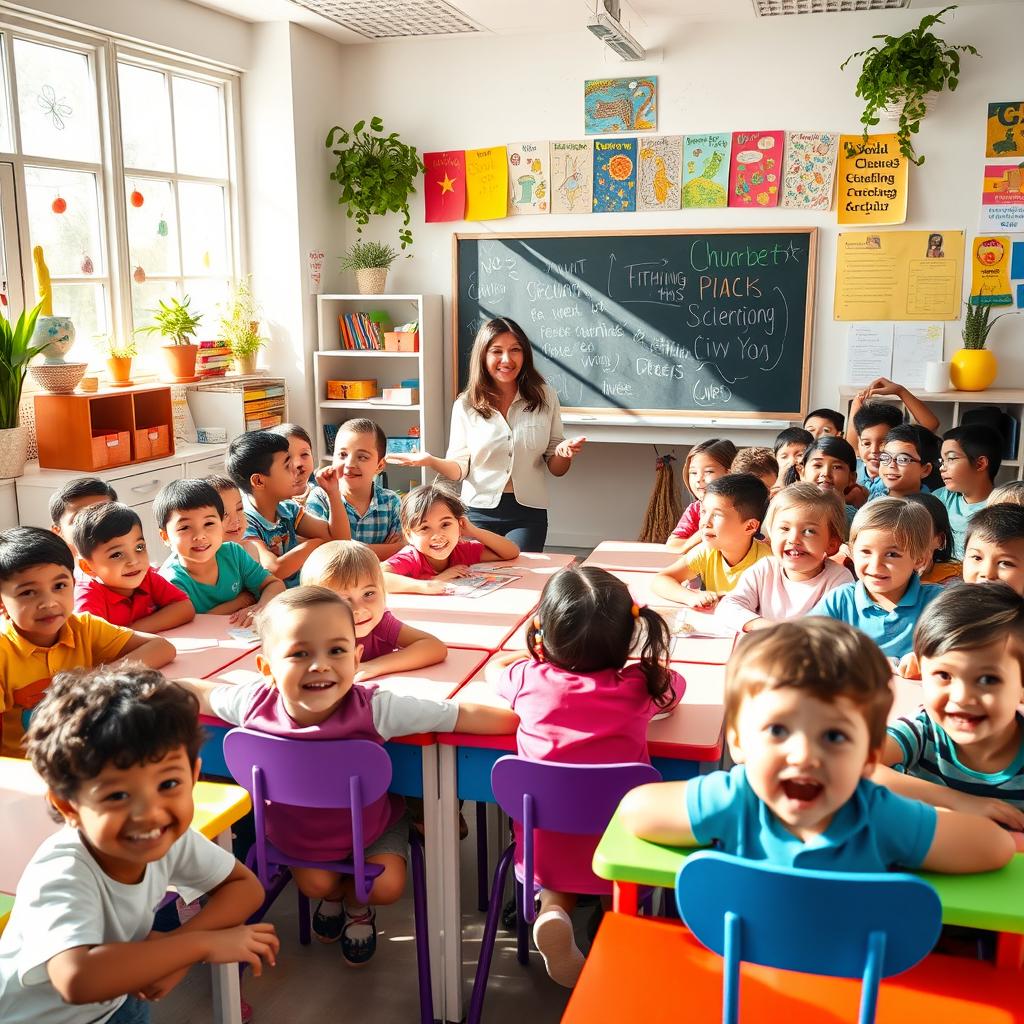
x=776, y=73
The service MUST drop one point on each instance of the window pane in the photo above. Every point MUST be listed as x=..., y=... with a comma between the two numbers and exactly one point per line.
x=6, y=135
x=208, y=295
x=199, y=128
x=152, y=227
x=145, y=118
x=204, y=245
x=145, y=297
x=86, y=304
x=71, y=238
x=56, y=102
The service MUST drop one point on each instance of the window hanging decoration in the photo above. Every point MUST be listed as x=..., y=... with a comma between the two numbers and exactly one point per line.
x=54, y=108
x=136, y=198
x=59, y=205
x=139, y=276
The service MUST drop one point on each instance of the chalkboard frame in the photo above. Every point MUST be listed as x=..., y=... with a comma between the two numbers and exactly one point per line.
x=666, y=417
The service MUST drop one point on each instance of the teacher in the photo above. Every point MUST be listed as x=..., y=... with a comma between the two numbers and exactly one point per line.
x=506, y=428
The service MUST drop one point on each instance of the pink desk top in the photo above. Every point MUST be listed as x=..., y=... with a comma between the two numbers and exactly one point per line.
x=204, y=647
x=692, y=732
x=631, y=555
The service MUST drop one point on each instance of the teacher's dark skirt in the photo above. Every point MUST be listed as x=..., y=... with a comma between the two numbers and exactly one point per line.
x=528, y=527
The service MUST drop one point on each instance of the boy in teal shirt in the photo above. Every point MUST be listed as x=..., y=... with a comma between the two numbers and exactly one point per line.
x=970, y=460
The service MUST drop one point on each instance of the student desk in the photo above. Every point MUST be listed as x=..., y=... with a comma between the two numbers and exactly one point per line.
x=631, y=555
x=204, y=647
x=25, y=823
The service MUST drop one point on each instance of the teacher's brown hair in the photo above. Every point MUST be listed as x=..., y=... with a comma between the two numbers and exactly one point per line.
x=481, y=391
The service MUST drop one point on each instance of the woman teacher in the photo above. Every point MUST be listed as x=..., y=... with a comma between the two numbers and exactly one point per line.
x=506, y=436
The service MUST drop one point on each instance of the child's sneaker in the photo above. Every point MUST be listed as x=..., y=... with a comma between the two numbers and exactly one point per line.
x=327, y=927
x=552, y=934
x=359, y=936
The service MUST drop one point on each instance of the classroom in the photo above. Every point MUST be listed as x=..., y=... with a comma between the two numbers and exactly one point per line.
x=522, y=501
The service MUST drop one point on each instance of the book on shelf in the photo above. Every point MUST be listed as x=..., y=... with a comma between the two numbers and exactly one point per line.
x=263, y=405
x=251, y=394
x=263, y=422
x=359, y=333
x=207, y=351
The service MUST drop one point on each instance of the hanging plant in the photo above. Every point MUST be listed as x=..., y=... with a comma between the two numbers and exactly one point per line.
x=903, y=71
x=376, y=173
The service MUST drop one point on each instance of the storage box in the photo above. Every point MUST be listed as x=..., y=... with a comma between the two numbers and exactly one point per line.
x=400, y=396
x=111, y=449
x=351, y=390
x=402, y=445
x=152, y=442
x=401, y=341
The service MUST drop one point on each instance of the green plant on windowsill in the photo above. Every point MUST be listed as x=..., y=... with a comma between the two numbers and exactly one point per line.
x=16, y=352
x=115, y=349
x=173, y=321
x=978, y=321
x=240, y=321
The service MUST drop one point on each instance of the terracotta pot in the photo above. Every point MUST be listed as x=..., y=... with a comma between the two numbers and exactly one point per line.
x=246, y=364
x=13, y=451
x=181, y=362
x=372, y=280
x=973, y=369
x=120, y=368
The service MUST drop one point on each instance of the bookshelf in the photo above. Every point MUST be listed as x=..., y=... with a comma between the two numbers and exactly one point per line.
x=331, y=361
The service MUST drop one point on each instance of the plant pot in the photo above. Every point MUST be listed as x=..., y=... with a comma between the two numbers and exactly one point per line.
x=892, y=111
x=58, y=378
x=120, y=369
x=181, y=362
x=973, y=369
x=57, y=333
x=371, y=280
x=13, y=451
x=247, y=363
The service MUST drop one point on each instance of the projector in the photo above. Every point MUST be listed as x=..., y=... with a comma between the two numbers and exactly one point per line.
x=607, y=27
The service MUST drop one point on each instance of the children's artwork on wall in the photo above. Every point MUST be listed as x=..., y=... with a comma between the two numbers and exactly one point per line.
x=528, y=181
x=810, y=170
x=1005, y=129
x=659, y=170
x=620, y=105
x=572, y=176
x=614, y=176
x=756, y=169
x=1002, y=197
x=486, y=183
x=990, y=272
x=706, y=171
x=872, y=180
x=444, y=185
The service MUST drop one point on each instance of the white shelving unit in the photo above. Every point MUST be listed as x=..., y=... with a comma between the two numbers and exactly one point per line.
x=332, y=362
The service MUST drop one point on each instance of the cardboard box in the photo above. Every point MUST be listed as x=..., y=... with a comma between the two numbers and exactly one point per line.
x=408, y=341
x=400, y=396
x=351, y=390
x=111, y=449
x=152, y=442
x=403, y=445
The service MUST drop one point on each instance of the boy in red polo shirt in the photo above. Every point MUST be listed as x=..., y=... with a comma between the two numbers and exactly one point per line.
x=118, y=584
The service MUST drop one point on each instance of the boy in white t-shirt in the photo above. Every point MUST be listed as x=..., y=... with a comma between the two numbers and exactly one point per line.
x=118, y=750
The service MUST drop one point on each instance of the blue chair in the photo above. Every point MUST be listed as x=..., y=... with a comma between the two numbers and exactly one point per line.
x=866, y=926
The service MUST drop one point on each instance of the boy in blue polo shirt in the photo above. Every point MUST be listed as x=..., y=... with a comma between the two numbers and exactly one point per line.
x=971, y=457
x=806, y=704
x=889, y=543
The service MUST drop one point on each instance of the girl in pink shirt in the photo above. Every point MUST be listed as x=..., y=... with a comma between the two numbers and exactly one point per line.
x=706, y=461
x=580, y=703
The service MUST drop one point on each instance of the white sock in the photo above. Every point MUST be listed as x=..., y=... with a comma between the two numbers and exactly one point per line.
x=331, y=908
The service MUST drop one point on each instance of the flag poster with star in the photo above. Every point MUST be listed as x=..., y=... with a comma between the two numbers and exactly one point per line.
x=614, y=176
x=529, y=186
x=444, y=185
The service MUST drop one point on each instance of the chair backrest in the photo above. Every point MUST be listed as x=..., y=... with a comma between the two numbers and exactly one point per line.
x=841, y=924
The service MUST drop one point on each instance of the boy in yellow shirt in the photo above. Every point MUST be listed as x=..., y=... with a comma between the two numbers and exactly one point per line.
x=42, y=635
x=731, y=515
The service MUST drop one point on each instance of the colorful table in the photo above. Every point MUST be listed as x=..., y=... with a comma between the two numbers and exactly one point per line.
x=631, y=555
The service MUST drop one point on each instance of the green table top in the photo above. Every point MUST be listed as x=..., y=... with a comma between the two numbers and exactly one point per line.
x=993, y=901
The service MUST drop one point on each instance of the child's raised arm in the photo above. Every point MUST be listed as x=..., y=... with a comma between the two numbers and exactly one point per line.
x=337, y=526
x=657, y=812
x=496, y=547
x=966, y=843
x=683, y=544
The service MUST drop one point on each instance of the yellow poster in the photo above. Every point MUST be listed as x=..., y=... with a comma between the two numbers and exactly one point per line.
x=990, y=271
x=1005, y=130
x=899, y=275
x=486, y=183
x=872, y=181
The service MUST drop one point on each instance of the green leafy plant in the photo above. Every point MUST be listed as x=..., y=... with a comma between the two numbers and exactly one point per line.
x=904, y=70
x=376, y=173
x=368, y=256
x=173, y=321
x=127, y=349
x=977, y=323
x=16, y=351
x=240, y=320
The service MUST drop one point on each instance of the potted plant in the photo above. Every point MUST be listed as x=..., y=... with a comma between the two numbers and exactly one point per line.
x=901, y=72
x=119, y=360
x=974, y=367
x=240, y=325
x=16, y=349
x=376, y=174
x=370, y=261
x=174, y=321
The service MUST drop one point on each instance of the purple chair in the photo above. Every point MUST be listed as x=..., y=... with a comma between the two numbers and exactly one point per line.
x=576, y=799
x=327, y=774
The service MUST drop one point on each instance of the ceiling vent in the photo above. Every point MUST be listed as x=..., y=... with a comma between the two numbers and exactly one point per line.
x=774, y=8
x=606, y=24
x=392, y=19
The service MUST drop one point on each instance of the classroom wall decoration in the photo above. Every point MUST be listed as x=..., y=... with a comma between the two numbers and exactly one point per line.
x=659, y=172
x=1002, y=197
x=990, y=272
x=620, y=105
x=486, y=183
x=444, y=185
x=1005, y=129
x=614, y=176
x=755, y=169
x=528, y=182
x=872, y=180
x=810, y=170
x=706, y=171
x=572, y=176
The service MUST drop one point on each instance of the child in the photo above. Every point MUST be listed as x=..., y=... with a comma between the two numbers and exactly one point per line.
x=442, y=543
x=235, y=523
x=790, y=445
x=805, y=710
x=1008, y=494
x=260, y=464
x=994, y=548
x=308, y=690
x=353, y=572
x=118, y=751
x=705, y=462
x=579, y=702
x=733, y=508
x=908, y=455
x=43, y=634
x=971, y=457
x=759, y=461
x=300, y=447
x=940, y=566
x=963, y=749
x=119, y=584
x=219, y=578
x=824, y=421
x=890, y=541
x=805, y=527
x=75, y=495
x=831, y=465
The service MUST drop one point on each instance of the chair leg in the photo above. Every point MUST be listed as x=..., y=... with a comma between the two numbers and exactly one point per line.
x=522, y=934
x=483, y=966
x=304, y=934
x=419, y=903
x=481, y=856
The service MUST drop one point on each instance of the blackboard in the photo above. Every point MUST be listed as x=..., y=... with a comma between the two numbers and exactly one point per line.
x=659, y=324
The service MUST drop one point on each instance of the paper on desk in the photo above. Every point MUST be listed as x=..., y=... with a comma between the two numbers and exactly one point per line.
x=479, y=583
x=869, y=352
x=242, y=633
x=914, y=346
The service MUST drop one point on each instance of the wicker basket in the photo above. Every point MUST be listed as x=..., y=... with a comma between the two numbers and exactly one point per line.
x=372, y=280
x=58, y=378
